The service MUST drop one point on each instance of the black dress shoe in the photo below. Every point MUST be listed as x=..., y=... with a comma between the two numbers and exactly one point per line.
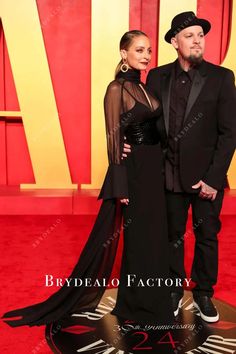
x=176, y=299
x=208, y=311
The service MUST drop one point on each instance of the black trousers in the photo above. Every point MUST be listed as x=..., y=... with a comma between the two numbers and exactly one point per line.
x=206, y=226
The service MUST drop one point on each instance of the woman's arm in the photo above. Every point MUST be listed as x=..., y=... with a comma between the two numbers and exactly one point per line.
x=115, y=184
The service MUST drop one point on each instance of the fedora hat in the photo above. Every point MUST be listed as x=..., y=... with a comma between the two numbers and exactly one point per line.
x=184, y=20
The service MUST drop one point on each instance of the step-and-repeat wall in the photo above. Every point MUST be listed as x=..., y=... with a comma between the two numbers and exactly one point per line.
x=56, y=60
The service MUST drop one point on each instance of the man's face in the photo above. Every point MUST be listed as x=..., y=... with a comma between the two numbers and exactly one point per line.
x=190, y=44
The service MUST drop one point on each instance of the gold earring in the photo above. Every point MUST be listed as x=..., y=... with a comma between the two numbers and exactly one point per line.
x=124, y=67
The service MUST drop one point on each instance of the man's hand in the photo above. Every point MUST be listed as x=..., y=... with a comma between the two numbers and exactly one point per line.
x=206, y=192
x=124, y=201
x=126, y=148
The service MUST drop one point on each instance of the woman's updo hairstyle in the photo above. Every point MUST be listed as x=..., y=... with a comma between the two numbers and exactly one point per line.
x=126, y=42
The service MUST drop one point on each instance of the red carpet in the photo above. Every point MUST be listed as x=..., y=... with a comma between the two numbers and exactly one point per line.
x=33, y=246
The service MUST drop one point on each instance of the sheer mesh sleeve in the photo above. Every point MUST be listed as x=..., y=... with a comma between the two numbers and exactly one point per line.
x=115, y=184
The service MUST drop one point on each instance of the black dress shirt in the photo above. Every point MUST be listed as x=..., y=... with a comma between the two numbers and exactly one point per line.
x=180, y=89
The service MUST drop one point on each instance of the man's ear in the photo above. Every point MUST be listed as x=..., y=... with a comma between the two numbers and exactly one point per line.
x=174, y=42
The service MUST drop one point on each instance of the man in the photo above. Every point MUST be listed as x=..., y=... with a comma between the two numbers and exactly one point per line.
x=198, y=135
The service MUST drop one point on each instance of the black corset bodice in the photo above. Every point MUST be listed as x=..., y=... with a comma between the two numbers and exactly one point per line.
x=142, y=133
x=142, y=130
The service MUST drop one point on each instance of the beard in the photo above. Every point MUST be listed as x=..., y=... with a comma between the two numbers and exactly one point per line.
x=195, y=58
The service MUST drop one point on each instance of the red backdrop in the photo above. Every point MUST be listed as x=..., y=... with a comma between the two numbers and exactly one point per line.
x=67, y=35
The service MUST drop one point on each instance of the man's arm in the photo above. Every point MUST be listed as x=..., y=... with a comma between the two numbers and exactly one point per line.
x=151, y=82
x=226, y=116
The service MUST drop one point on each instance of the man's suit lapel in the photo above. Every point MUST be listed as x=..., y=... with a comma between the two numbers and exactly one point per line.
x=197, y=85
x=166, y=88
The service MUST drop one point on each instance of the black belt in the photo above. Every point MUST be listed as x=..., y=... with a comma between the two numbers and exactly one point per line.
x=142, y=133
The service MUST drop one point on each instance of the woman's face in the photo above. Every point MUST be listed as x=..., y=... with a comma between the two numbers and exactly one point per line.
x=138, y=55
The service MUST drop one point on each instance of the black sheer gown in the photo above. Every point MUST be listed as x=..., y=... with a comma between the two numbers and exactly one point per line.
x=131, y=112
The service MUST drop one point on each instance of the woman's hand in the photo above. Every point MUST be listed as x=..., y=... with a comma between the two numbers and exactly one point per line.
x=124, y=201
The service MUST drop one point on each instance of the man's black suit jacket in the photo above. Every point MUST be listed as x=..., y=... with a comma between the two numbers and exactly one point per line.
x=208, y=136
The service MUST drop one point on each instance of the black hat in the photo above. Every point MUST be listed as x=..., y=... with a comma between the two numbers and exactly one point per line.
x=184, y=20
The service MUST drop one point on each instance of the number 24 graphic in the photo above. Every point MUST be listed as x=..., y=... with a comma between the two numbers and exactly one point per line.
x=161, y=341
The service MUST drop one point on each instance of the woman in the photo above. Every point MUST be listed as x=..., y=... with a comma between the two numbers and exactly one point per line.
x=133, y=188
